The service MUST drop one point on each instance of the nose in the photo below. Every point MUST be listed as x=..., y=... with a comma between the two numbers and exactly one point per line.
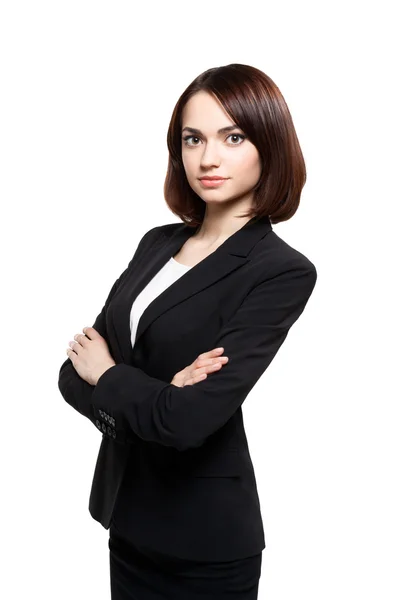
x=210, y=156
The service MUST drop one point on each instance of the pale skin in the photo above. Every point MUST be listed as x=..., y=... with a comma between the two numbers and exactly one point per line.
x=90, y=355
x=91, y=358
x=230, y=155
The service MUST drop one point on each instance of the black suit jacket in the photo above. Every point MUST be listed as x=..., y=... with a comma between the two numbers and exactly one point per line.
x=174, y=473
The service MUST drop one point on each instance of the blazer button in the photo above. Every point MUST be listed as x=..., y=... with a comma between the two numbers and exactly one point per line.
x=109, y=430
x=103, y=427
x=114, y=434
x=98, y=424
x=101, y=413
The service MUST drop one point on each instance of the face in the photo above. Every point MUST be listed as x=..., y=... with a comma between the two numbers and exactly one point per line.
x=209, y=152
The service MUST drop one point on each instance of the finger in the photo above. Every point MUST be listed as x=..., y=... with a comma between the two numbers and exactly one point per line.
x=203, y=362
x=206, y=369
x=193, y=380
x=75, y=347
x=91, y=333
x=211, y=361
x=208, y=360
x=208, y=363
x=214, y=352
x=81, y=339
x=71, y=355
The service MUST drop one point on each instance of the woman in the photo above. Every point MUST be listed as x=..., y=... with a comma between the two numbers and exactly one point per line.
x=209, y=302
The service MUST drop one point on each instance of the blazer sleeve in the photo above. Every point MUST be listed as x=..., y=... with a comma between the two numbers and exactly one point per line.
x=76, y=391
x=184, y=417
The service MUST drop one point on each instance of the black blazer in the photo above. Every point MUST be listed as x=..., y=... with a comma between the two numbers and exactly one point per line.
x=174, y=473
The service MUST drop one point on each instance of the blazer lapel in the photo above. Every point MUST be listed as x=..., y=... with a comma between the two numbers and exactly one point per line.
x=230, y=255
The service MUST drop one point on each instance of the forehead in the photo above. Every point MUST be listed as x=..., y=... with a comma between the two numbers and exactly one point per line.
x=204, y=112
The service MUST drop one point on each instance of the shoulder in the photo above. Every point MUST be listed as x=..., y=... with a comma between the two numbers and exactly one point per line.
x=160, y=230
x=276, y=252
x=155, y=235
x=170, y=228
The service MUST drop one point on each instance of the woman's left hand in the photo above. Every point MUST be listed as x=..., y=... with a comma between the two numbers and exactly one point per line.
x=90, y=355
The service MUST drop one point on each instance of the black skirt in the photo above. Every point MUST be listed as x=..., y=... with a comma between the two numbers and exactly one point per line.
x=139, y=575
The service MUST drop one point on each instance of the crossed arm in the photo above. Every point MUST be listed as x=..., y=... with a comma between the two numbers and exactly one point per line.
x=183, y=417
x=77, y=391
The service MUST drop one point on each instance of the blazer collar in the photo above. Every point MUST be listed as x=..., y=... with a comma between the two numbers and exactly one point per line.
x=230, y=255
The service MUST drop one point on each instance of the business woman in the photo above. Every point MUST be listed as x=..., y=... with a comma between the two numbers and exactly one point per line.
x=185, y=333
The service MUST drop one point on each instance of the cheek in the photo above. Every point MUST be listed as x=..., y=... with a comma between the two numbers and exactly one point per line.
x=248, y=167
x=188, y=163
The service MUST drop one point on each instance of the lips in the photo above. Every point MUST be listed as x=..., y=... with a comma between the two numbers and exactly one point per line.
x=212, y=182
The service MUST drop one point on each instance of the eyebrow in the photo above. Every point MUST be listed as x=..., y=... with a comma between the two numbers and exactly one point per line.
x=222, y=130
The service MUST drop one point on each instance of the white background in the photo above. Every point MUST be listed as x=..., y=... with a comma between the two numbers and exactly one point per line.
x=87, y=92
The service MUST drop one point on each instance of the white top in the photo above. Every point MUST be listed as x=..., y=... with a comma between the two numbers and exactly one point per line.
x=169, y=273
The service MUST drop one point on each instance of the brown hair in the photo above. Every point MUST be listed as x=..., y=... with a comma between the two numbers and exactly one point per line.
x=257, y=106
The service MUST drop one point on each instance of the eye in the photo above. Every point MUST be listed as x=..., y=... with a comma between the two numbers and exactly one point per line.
x=237, y=135
x=189, y=137
x=234, y=135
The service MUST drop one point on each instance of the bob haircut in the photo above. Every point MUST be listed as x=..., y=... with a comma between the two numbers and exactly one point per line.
x=256, y=105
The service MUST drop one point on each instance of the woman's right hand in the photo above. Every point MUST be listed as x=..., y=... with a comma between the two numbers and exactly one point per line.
x=205, y=363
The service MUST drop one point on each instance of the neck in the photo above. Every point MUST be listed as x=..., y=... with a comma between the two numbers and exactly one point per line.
x=219, y=226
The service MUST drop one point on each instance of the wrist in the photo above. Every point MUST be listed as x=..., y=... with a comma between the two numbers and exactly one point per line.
x=103, y=370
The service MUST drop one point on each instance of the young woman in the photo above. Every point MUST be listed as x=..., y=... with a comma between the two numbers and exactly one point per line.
x=185, y=333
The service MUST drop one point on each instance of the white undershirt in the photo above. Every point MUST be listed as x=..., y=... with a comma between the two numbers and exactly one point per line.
x=169, y=273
